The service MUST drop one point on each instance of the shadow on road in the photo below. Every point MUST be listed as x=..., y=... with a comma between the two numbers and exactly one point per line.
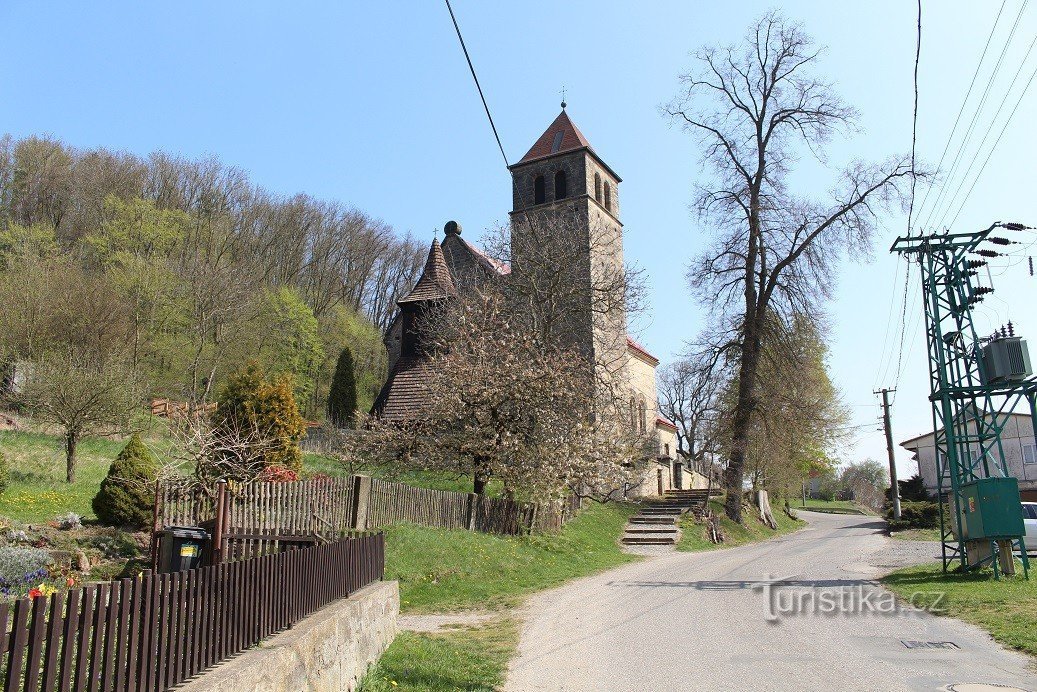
x=739, y=584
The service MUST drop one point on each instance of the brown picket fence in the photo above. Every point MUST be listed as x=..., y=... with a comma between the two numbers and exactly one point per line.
x=156, y=631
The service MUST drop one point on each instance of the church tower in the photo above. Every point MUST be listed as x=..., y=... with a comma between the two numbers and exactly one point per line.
x=562, y=192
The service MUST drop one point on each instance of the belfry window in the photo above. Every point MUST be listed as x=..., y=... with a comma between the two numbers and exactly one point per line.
x=597, y=187
x=539, y=190
x=561, y=188
x=608, y=196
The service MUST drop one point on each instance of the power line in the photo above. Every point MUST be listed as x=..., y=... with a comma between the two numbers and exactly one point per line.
x=997, y=141
x=961, y=110
x=914, y=120
x=938, y=204
x=477, y=85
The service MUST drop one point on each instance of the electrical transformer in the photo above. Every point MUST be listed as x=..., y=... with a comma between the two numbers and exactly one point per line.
x=1006, y=360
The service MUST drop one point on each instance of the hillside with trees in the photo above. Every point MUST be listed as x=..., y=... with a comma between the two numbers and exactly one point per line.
x=178, y=271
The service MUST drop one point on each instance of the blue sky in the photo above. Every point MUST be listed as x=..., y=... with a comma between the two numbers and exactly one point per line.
x=372, y=104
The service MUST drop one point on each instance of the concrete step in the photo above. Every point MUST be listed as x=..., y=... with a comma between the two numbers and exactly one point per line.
x=648, y=541
x=662, y=521
x=643, y=528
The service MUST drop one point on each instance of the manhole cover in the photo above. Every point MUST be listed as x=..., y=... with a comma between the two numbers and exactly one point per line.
x=911, y=644
x=984, y=687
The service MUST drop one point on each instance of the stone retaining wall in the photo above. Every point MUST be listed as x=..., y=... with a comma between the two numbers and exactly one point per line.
x=330, y=650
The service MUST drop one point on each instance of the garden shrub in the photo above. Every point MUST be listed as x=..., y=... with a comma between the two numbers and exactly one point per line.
x=268, y=405
x=127, y=495
x=914, y=515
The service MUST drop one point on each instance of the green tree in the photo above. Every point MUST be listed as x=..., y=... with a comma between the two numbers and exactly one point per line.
x=288, y=339
x=250, y=400
x=127, y=493
x=342, y=396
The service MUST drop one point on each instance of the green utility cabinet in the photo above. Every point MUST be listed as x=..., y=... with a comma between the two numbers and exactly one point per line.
x=991, y=508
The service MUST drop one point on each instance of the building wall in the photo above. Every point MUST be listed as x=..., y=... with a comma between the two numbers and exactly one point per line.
x=1017, y=432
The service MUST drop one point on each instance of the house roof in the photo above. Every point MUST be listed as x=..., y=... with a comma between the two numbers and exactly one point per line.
x=435, y=282
x=663, y=422
x=561, y=136
x=641, y=351
x=906, y=443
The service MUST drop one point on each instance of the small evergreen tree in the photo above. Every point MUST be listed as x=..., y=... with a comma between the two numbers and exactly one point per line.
x=127, y=492
x=342, y=396
x=267, y=406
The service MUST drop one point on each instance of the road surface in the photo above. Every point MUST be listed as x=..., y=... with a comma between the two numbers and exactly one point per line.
x=709, y=621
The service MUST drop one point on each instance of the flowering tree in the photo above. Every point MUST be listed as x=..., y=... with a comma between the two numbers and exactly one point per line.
x=501, y=403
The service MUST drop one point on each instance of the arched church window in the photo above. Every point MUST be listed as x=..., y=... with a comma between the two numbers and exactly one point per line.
x=642, y=417
x=561, y=188
x=608, y=196
x=597, y=187
x=539, y=190
x=633, y=413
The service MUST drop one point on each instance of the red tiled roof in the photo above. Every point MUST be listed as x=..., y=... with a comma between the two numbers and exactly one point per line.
x=571, y=139
x=435, y=282
x=634, y=346
x=663, y=422
x=494, y=265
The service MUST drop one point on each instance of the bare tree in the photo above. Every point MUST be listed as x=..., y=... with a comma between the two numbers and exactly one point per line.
x=689, y=395
x=234, y=450
x=755, y=107
x=81, y=398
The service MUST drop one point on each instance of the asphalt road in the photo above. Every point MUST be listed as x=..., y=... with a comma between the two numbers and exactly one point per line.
x=705, y=621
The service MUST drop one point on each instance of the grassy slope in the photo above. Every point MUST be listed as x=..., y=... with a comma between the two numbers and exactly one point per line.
x=833, y=506
x=917, y=535
x=443, y=571
x=460, y=570
x=38, y=492
x=693, y=534
x=470, y=658
x=1006, y=608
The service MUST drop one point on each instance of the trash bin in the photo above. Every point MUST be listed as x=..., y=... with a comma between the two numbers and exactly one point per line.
x=182, y=548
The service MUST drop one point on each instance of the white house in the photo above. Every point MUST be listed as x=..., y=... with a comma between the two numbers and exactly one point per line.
x=1020, y=452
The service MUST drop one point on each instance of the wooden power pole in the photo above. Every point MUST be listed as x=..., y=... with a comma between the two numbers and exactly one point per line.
x=894, y=486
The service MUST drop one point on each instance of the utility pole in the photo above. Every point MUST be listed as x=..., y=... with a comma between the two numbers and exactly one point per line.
x=894, y=486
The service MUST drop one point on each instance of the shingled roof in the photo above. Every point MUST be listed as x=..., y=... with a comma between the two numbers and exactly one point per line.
x=435, y=282
x=561, y=136
x=406, y=391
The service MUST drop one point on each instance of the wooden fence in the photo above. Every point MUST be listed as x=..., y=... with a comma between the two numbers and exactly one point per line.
x=265, y=517
x=154, y=632
x=261, y=517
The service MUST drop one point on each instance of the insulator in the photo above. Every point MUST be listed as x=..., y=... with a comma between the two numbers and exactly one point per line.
x=971, y=272
x=983, y=290
x=975, y=264
x=1014, y=226
x=988, y=253
x=1011, y=328
x=997, y=240
x=1031, y=265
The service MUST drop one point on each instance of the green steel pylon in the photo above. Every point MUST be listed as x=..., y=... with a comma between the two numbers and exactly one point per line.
x=969, y=413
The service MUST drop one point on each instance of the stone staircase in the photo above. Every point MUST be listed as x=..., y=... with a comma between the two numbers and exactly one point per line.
x=656, y=522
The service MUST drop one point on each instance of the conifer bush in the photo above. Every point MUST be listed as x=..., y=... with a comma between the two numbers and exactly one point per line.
x=342, y=395
x=127, y=492
x=251, y=400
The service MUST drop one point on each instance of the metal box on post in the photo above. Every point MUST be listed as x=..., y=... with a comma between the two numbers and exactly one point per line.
x=991, y=508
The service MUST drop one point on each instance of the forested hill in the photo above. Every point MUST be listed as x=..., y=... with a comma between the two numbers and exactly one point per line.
x=186, y=269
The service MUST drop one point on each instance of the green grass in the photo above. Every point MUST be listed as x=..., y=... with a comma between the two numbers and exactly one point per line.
x=917, y=535
x=38, y=491
x=442, y=570
x=1007, y=609
x=694, y=538
x=471, y=658
x=434, y=480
